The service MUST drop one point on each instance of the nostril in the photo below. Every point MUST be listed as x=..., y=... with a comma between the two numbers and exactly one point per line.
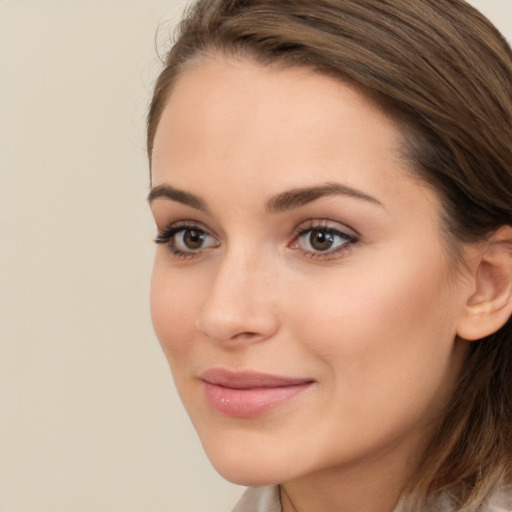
x=245, y=335
x=224, y=337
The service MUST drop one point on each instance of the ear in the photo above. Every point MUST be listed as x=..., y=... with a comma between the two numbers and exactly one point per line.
x=490, y=305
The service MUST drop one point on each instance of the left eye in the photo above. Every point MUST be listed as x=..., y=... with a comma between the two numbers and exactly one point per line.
x=192, y=240
x=186, y=240
x=319, y=240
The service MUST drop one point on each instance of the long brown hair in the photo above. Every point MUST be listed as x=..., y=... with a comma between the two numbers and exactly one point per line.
x=444, y=72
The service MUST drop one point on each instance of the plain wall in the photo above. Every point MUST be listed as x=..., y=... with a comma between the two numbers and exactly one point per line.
x=89, y=419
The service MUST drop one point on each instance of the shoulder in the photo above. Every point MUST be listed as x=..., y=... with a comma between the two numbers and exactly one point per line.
x=500, y=501
x=259, y=499
x=266, y=499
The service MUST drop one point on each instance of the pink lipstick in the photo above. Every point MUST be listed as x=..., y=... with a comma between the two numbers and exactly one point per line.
x=249, y=394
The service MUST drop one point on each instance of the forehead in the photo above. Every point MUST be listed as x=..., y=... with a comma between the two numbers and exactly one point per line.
x=230, y=106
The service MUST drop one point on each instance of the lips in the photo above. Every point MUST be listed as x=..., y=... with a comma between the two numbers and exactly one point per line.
x=249, y=394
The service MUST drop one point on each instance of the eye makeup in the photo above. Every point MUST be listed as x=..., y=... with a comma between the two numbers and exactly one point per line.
x=186, y=239
x=315, y=239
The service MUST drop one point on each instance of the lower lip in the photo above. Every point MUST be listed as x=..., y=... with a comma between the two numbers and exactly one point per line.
x=248, y=403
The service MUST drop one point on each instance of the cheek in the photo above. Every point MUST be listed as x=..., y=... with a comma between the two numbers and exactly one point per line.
x=173, y=311
x=379, y=328
x=383, y=344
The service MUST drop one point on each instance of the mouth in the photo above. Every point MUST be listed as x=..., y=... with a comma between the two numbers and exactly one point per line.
x=249, y=394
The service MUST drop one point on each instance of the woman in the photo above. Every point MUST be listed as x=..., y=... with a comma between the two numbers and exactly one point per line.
x=332, y=189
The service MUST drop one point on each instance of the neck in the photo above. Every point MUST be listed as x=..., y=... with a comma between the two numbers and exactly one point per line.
x=365, y=486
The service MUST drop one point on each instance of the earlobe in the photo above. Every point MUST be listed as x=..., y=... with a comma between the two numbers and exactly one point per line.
x=490, y=304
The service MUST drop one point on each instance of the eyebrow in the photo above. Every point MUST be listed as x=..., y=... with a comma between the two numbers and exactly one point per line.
x=180, y=196
x=301, y=196
x=281, y=202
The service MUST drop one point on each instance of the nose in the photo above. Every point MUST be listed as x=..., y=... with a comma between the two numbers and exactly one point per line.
x=239, y=306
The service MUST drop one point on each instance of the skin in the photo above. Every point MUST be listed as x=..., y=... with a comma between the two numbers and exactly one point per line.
x=373, y=325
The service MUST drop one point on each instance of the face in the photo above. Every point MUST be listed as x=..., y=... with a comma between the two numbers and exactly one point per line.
x=301, y=291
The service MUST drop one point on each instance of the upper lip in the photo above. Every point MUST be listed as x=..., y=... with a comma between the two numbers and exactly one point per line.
x=249, y=379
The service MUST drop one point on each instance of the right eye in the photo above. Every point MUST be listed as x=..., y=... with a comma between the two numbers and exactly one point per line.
x=186, y=240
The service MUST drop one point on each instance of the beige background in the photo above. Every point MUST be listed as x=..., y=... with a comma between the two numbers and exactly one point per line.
x=89, y=420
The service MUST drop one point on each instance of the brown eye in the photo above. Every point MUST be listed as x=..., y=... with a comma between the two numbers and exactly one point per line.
x=193, y=239
x=186, y=240
x=321, y=240
x=190, y=240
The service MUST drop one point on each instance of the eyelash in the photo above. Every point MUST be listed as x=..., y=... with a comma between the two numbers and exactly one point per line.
x=167, y=237
x=323, y=227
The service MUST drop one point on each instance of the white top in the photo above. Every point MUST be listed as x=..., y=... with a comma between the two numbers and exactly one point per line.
x=260, y=499
x=266, y=499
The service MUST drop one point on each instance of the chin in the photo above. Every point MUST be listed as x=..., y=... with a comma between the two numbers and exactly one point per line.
x=249, y=474
x=250, y=467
